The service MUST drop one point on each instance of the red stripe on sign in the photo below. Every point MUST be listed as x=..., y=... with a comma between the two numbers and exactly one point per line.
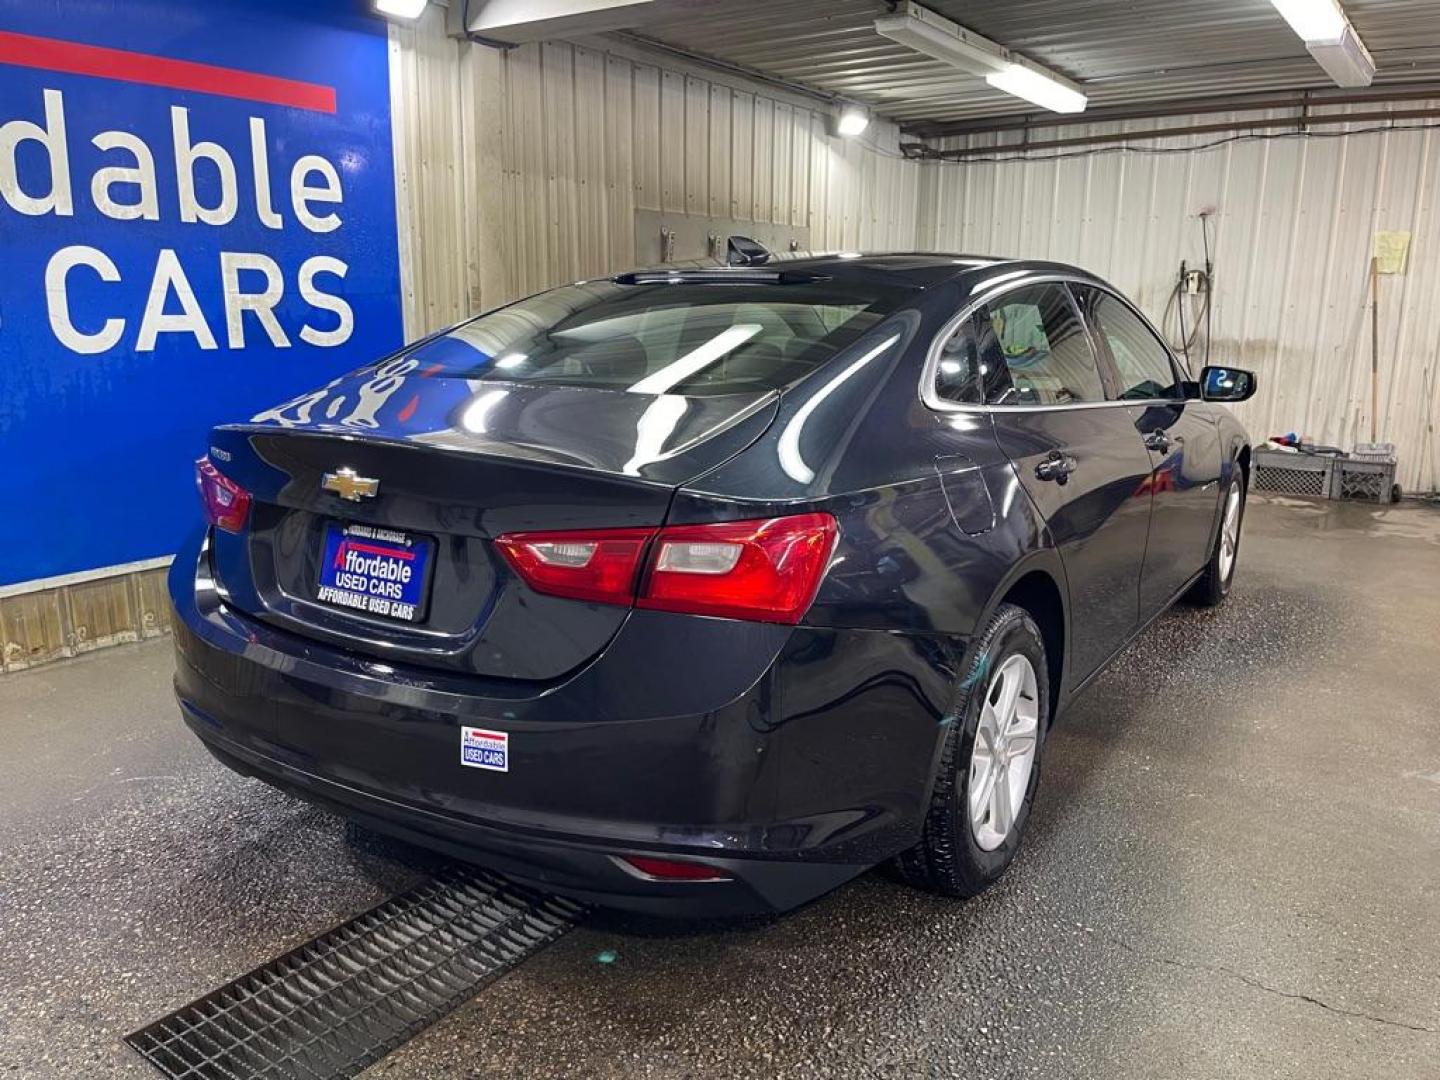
x=374, y=550
x=26, y=50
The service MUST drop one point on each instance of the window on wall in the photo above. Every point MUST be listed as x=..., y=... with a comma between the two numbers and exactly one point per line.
x=1141, y=360
x=1033, y=342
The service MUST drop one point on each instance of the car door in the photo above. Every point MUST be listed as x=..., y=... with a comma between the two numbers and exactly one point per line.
x=1075, y=452
x=1181, y=435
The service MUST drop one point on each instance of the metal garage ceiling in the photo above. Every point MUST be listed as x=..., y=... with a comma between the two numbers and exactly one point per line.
x=1127, y=52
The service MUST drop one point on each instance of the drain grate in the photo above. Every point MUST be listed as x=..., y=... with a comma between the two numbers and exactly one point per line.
x=333, y=1006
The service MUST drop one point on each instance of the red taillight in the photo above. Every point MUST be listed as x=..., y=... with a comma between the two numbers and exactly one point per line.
x=226, y=503
x=766, y=570
x=673, y=869
x=594, y=564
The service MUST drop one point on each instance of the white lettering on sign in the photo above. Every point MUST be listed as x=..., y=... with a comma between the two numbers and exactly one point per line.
x=58, y=305
x=261, y=157
x=146, y=203
x=208, y=180
x=52, y=137
x=170, y=280
x=186, y=155
x=261, y=303
x=302, y=193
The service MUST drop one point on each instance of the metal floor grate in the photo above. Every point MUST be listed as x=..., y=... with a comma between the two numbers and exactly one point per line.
x=341, y=1002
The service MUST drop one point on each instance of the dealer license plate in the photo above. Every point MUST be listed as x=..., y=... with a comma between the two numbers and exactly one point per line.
x=374, y=571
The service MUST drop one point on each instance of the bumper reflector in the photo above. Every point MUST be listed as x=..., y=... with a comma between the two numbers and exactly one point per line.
x=648, y=866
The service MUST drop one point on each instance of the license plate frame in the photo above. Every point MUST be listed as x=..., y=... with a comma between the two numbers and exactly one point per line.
x=361, y=572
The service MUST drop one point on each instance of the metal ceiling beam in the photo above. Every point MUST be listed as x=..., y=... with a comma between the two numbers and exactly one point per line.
x=1299, y=99
x=1303, y=122
x=515, y=22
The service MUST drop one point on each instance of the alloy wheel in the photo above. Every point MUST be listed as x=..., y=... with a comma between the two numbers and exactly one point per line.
x=1230, y=533
x=1004, y=751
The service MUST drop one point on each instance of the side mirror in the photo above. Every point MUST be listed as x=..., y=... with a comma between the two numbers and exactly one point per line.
x=1226, y=384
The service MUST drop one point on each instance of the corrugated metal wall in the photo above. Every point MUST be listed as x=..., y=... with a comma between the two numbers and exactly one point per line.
x=523, y=169
x=1291, y=235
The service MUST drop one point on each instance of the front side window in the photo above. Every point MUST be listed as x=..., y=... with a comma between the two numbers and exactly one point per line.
x=1033, y=339
x=1141, y=361
x=664, y=338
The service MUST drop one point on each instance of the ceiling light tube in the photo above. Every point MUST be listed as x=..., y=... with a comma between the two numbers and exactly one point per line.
x=408, y=10
x=934, y=35
x=1038, y=88
x=1313, y=20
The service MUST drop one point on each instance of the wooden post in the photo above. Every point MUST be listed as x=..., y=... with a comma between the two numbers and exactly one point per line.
x=1374, y=345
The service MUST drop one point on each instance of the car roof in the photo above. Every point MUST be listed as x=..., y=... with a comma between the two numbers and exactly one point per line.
x=917, y=269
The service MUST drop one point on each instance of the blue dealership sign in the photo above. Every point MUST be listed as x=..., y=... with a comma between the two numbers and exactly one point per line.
x=197, y=221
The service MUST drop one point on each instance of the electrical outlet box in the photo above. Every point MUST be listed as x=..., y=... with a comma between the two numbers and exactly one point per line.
x=1194, y=281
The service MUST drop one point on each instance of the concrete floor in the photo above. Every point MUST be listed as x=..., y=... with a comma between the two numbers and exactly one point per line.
x=1233, y=870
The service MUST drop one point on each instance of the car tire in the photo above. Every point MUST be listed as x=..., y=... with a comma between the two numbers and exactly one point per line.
x=1214, y=583
x=962, y=851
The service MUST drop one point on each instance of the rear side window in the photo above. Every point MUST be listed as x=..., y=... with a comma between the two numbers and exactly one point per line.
x=666, y=338
x=1141, y=361
x=1031, y=349
x=962, y=374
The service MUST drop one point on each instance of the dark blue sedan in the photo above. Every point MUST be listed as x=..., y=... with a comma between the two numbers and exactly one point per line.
x=704, y=590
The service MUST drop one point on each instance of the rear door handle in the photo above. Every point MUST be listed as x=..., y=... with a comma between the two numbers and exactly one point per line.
x=1158, y=441
x=1056, y=467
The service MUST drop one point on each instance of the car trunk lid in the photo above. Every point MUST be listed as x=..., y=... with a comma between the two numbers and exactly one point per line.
x=455, y=463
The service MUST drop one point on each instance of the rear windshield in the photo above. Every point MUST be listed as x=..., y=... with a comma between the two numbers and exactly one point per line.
x=687, y=338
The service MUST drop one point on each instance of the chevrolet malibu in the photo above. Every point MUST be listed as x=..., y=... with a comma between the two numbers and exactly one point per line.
x=704, y=590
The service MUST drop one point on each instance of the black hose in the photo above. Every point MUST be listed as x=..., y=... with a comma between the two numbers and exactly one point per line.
x=1209, y=281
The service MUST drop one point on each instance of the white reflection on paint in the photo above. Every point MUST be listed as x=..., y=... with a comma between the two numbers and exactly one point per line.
x=511, y=361
x=986, y=284
x=697, y=359
x=1006, y=503
x=477, y=413
x=654, y=428
x=789, y=448
x=963, y=422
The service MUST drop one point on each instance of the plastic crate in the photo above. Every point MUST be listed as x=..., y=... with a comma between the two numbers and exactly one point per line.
x=1294, y=474
x=1365, y=451
x=1371, y=481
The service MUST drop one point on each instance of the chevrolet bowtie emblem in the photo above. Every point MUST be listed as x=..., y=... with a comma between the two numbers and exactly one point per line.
x=350, y=485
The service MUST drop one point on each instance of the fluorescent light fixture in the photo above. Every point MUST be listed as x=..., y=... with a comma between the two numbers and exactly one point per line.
x=1346, y=61
x=852, y=121
x=934, y=35
x=1330, y=39
x=400, y=9
x=511, y=361
x=1313, y=20
x=1037, y=88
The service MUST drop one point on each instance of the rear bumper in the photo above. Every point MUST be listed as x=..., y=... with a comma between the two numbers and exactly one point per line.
x=571, y=868
x=791, y=759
